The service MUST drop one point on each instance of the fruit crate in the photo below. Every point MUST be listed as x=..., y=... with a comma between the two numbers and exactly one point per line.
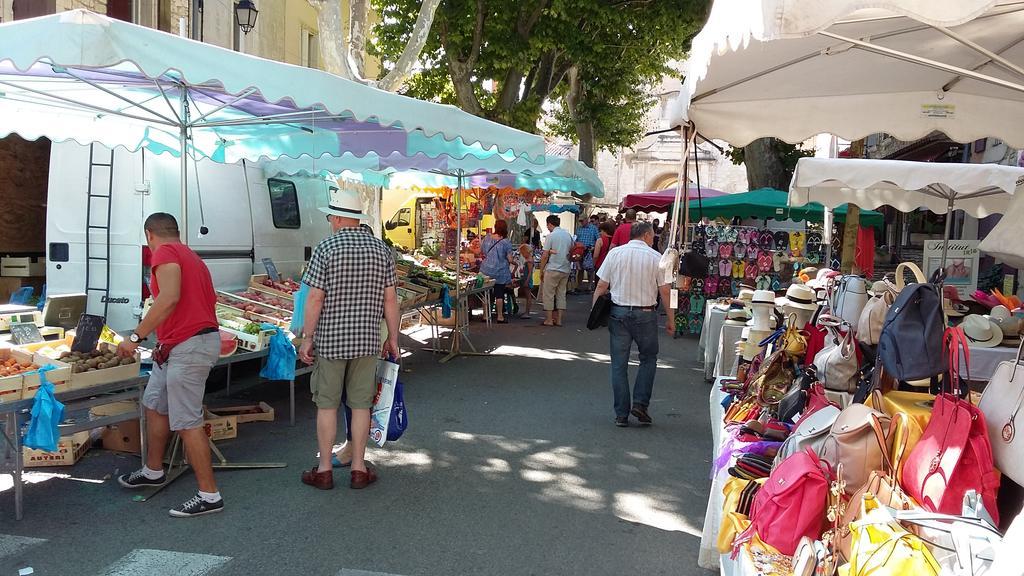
x=235, y=309
x=250, y=342
x=256, y=282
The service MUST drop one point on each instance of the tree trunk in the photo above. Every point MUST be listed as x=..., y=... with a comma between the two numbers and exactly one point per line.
x=764, y=166
x=584, y=126
x=331, y=37
x=359, y=15
x=420, y=34
x=588, y=143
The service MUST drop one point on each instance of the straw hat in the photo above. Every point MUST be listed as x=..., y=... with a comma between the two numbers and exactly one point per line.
x=739, y=317
x=799, y=296
x=763, y=297
x=981, y=331
x=746, y=294
x=954, y=309
x=346, y=204
x=1006, y=322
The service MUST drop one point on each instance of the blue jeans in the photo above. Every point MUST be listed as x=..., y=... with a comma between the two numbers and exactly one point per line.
x=628, y=326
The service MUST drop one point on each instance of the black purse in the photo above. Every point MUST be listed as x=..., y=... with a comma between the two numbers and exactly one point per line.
x=795, y=401
x=599, y=312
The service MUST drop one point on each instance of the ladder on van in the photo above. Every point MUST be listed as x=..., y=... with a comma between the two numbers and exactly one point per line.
x=95, y=253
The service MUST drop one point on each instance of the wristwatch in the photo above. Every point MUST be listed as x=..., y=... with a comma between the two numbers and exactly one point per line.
x=134, y=338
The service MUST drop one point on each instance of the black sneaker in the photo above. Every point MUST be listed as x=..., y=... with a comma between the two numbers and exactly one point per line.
x=139, y=480
x=196, y=506
x=622, y=421
x=641, y=415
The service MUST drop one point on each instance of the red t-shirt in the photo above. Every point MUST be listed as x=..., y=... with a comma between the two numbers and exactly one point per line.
x=621, y=236
x=196, y=308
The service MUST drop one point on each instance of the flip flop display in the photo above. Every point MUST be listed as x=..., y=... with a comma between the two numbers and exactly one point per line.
x=796, y=244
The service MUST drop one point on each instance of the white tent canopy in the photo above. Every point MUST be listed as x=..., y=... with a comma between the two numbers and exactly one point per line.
x=792, y=69
x=977, y=189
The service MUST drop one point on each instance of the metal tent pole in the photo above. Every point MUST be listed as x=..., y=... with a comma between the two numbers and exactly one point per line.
x=183, y=141
x=945, y=235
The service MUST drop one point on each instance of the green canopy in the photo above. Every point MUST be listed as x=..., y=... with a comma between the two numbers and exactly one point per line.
x=771, y=203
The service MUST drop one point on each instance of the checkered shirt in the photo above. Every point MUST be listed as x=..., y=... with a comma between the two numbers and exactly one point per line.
x=588, y=235
x=353, y=268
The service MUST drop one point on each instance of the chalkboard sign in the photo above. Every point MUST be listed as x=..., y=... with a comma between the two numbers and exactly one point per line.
x=25, y=333
x=87, y=333
x=271, y=270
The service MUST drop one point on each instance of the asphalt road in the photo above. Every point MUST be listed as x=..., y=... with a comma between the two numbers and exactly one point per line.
x=511, y=466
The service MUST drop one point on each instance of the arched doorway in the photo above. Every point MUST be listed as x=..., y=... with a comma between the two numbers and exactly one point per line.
x=662, y=181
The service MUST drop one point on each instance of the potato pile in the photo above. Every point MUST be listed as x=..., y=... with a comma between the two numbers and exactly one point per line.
x=95, y=360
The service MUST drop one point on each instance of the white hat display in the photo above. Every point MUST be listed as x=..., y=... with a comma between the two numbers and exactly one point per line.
x=981, y=331
x=762, y=305
x=737, y=317
x=799, y=296
x=751, y=346
x=345, y=203
x=746, y=294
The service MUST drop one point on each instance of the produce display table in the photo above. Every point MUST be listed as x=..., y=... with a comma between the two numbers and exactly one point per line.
x=710, y=335
x=16, y=414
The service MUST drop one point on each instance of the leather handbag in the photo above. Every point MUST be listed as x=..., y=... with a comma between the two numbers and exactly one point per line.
x=857, y=441
x=794, y=340
x=917, y=409
x=964, y=544
x=791, y=504
x=954, y=454
x=599, y=312
x=812, y=558
x=869, y=325
x=880, y=546
x=837, y=364
x=849, y=298
x=773, y=378
x=1000, y=404
x=810, y=433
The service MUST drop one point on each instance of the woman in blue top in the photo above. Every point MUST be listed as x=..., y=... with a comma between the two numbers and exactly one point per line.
x=498, y=256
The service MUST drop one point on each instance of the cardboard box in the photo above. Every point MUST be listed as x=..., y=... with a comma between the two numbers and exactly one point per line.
x=220, y=427
x=261, y=412
x=69, y=451
x=22, y=267
x=123, y=437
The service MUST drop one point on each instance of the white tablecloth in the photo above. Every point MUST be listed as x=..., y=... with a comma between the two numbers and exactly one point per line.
x=708, y=556
x=714, y=317
x=725, y=363
x=985, y=360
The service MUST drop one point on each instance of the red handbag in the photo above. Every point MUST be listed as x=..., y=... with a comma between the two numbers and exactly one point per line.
x=791, y=504
x=954, y=454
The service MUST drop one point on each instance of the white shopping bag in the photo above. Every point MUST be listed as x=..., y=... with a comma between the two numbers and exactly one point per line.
x=387, y=379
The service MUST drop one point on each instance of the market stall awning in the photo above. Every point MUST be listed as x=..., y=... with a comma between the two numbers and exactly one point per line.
x=771, y=203
x=978, y=189
x=89, y=78
x=857, y=67
x=661, y=200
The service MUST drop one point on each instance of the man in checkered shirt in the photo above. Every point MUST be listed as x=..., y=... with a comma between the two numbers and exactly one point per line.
x=352, y=281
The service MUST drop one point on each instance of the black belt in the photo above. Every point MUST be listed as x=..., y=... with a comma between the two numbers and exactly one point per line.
x=206, y=331
x=635, y=307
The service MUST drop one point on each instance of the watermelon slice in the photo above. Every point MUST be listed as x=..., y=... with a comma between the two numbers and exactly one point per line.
x=228, y=344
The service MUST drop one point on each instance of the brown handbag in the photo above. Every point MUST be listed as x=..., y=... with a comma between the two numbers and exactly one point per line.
x=774, y=378
x=857, y=441
x=881, y=483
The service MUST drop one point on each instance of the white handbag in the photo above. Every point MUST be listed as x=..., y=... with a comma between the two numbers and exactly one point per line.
x=810, y=432
x=850, y=297
x=836, y=363
x=1000, y=404
x=869, y=327
x=1003, y=242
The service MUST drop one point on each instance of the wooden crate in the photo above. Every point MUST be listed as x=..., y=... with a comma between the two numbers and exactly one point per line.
x=261, y=412
x=256, y=281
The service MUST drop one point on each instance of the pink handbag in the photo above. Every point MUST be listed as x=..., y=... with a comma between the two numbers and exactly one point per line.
x=954, y=454
x=791, y=505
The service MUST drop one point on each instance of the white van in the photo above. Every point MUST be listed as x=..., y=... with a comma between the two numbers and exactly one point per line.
x=248, y=215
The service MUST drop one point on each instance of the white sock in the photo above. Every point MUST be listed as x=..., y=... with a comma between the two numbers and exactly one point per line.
x=152, y=474
x=211, y=497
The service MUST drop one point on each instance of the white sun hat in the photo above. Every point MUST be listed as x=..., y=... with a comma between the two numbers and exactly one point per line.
x=345, y=203
x=981, y=331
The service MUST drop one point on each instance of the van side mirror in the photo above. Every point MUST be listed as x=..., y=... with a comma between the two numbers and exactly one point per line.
x=389, y=226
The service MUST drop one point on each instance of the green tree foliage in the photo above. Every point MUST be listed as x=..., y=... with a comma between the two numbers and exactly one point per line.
x=592, y=63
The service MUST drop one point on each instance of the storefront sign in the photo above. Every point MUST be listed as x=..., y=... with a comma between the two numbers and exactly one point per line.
x=961, y=263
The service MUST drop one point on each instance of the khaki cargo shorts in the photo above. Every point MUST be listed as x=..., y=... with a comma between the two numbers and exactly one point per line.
x=355, y=378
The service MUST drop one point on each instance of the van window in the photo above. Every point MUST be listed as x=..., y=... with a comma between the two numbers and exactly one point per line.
x=284, y=204
x=401, y=218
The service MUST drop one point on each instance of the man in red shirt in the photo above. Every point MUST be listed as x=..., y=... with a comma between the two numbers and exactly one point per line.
x=183, y=315
x=621, y=236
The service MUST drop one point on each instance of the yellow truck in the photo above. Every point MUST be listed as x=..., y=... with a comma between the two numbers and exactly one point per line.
x=411, y=219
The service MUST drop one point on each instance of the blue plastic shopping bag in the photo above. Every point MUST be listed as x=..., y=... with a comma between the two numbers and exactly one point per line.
x=300, y=307
x=47, y=414
x=281, y=359
x=399, y=420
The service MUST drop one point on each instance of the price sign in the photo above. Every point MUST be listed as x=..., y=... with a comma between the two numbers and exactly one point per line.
x=25, y=333
x=271, y=270
x=87, y=333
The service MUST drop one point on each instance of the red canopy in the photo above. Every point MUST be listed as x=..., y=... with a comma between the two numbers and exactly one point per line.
x=661, y=200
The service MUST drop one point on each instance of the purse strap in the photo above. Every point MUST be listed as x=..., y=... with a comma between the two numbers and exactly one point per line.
x=956, y=342
x=914, y=268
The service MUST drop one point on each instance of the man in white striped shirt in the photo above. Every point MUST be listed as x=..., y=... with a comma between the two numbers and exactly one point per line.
x=631, y=273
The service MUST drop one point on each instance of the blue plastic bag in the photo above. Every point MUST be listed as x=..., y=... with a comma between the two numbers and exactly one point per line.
x=47, y=414
x=446, y=303
x=281, y=360
x=300, y=307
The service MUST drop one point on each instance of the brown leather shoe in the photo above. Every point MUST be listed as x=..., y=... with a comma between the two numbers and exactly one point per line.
x=362, y=479
x=320, y=480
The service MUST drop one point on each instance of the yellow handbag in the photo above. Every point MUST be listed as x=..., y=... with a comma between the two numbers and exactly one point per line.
x=794, y=341
x=916, y=408
x=882, y=547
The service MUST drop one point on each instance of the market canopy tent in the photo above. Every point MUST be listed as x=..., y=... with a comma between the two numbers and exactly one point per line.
x=770, y=203
x=662, y=200
x=85, y=77
x=795, y=69
x=977, y=189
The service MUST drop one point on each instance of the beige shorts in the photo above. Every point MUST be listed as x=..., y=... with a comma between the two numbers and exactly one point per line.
x=553, y=290
x=355, y=378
